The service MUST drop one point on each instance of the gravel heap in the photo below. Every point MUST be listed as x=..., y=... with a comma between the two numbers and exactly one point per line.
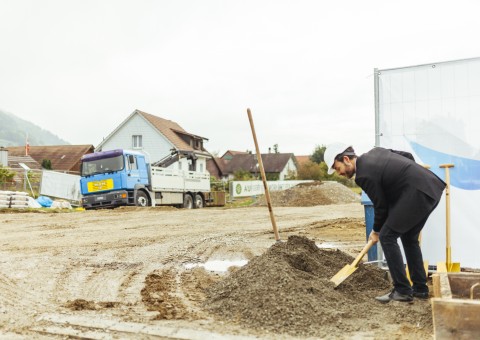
x=287, y=290
x=311, y=194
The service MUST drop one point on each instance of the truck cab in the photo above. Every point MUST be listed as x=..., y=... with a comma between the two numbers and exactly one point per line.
x=110, y=178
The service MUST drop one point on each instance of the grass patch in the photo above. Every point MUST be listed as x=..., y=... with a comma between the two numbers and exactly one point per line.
x=240, y=202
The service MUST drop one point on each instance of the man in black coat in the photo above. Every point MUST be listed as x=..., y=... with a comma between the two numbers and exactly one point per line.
x=403, y=194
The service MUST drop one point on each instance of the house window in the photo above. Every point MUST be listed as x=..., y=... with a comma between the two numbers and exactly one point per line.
x=201, y=167
x=137, y=142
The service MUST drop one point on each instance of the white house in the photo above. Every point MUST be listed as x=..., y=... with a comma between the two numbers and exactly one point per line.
x=164, y=142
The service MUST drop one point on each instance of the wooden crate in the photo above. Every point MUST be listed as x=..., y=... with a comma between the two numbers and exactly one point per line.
x=456, y=306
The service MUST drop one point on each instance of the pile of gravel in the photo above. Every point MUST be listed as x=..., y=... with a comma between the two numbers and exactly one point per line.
x=311, y=194
x=287, y=290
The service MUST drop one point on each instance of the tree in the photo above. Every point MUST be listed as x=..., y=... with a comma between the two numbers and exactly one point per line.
x=275, y=148
x=242, y=175
x=47, y=164
x=6, y=175
x=272, y=176
x=310, y=170
x=318, y=154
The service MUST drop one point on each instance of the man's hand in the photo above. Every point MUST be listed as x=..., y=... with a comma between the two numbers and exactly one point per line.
x=374, y=236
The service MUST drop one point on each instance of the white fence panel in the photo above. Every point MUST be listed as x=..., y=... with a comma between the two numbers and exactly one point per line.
x=60, y=185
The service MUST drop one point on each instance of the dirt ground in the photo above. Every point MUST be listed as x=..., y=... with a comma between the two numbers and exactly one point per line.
x=142, y=273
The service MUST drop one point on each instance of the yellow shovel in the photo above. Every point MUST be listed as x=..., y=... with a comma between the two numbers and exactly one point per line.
x=448, y=266
x=346, y=271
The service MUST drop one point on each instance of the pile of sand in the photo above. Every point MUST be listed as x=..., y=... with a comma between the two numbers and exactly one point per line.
x=311, y=194
x=287, y=290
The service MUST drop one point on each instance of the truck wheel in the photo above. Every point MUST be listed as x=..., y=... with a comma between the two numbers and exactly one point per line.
x=141, y=199
x=187, y=201
x=198, y=201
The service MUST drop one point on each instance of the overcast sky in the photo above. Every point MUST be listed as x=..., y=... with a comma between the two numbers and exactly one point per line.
x=305, y=68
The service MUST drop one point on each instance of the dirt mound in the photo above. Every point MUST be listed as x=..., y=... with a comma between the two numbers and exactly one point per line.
x=310, y=194
x=287, y=290
x=159, y=295
x=81, y=304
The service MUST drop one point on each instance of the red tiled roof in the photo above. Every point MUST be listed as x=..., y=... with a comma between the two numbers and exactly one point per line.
x=216, y=166
x=272, y=162
x=14, y=162
x=63, y=157
x=172, y=131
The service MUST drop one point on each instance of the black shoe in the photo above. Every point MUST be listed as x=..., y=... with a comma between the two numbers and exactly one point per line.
x=395, y=296
x=420, y=295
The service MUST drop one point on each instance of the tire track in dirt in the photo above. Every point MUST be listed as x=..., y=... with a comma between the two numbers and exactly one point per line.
x=12, y=295
x=185, y=288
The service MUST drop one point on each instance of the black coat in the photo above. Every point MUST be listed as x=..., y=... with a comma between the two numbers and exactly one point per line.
x=402, y=191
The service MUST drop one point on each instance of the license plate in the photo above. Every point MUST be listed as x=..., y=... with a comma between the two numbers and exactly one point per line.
x=105, y=184
x=100, y=198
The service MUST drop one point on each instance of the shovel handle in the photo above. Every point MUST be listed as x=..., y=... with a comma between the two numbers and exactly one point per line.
x=447, y=200
x=362, y=253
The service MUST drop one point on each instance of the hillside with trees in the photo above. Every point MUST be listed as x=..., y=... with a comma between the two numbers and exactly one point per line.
x=13, y=132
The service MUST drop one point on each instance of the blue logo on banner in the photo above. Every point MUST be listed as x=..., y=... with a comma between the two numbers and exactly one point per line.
x=466, y=173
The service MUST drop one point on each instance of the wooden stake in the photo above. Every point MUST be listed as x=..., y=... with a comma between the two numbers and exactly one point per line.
x=262, y=171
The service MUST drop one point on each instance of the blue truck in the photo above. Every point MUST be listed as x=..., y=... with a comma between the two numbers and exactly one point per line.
x=123, y=177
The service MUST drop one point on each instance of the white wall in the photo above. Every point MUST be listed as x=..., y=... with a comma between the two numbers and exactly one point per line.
x=155, y=145
x=289, y=167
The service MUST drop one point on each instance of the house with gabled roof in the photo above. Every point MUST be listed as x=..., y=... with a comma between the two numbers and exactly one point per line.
x=164, y=142
x=64, y=158
x=276, y=165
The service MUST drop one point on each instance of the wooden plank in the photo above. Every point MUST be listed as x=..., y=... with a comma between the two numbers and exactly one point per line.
x=436, y=285
x=456, y=319
x=460, y=284
x=441, y=286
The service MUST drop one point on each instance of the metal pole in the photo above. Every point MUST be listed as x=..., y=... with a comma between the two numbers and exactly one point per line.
x=376, y=74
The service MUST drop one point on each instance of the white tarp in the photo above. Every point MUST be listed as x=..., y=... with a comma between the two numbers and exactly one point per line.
x=60, y=185
x=433, y=111
x=253, y=188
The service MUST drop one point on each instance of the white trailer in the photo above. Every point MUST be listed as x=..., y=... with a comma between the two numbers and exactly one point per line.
x=177, y=187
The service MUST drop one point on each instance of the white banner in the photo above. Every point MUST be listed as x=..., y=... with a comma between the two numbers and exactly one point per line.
x=253, y=188
x=433, y=111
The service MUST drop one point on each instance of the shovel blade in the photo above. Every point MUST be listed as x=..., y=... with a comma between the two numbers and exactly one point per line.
x=443, y=267
x=343, y=274
x=453, y=267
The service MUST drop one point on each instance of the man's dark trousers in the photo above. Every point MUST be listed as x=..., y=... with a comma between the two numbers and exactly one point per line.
x=413, y=254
